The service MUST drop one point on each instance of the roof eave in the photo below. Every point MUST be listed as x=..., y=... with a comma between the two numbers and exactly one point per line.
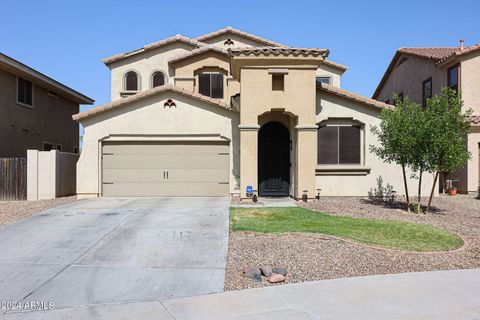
x=15, y=66
x=146, y=94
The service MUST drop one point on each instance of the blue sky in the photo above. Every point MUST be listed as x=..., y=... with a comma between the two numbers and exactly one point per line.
x=67, y=39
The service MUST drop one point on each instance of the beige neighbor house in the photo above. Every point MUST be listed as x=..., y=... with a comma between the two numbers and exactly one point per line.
x=214, y=115
x=36, y=111
x=418, y=73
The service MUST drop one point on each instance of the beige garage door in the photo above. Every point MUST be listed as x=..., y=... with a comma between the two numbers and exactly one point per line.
x=151, y=169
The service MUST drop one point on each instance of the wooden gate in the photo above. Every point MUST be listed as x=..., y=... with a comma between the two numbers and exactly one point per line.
x=13, y=179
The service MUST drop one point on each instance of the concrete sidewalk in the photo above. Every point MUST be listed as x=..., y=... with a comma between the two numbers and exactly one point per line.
x=427, y=295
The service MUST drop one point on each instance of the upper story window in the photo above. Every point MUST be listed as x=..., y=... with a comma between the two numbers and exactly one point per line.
x=326, y=80
x=158, y=79
x=278, y=82
x=131, y=81
x=211, y=85
x=339, y=145
x=25, y=92
x=426, y=91
x=453, y=78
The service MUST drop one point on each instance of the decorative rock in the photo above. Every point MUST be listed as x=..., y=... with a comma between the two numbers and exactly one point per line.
x=266, y=271
x=279, y=270
x=276, y=278
x=253, y=273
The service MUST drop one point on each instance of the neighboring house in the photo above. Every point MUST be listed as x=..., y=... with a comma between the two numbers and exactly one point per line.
x=36, y=111
x=214, y=115
x=418, y=73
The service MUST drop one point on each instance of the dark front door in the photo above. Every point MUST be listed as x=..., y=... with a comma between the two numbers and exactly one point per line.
x=273, y=160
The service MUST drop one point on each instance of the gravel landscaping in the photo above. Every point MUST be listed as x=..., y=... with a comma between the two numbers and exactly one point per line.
x=309, y=257
x=11, y=211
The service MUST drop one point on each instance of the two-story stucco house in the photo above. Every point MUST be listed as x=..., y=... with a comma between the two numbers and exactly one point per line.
x=36, y=111
x=216, y=114
x=418, y=73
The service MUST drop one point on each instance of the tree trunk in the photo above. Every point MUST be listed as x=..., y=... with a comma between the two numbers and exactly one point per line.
x=419, y=198
x=431, y=192
x=406, y=187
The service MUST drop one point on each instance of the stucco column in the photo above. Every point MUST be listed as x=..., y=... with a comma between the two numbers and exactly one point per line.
x=248, y=157
x=306, y=161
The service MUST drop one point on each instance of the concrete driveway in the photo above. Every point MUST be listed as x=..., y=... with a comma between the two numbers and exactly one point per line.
x=114, y=250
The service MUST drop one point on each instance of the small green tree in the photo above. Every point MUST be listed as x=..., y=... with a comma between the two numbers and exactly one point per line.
x=396, y=142
x=447, y=128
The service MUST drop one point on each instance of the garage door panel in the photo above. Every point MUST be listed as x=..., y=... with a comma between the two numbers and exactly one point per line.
x=167, y=148
x=166, y=161
x=165, y=176
x=167, y=190
x=165, y=169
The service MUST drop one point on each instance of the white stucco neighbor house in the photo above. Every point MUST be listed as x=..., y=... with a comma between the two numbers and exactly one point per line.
x=228, y=111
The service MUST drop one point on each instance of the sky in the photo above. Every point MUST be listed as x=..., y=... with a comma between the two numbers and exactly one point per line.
x=67, y=39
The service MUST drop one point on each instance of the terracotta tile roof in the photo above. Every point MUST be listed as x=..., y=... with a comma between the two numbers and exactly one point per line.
x=475, y=119
x=457, y=53
x=353, y=96
x=335, y=65
x=154, y=45
x=238, y=32
x=440, y=55
x=434, y=53
x=276, y=51
x=198, y=51
x=145, y=94
x=20, y=69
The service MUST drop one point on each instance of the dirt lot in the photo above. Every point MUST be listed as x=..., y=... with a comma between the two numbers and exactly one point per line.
x=310, y=257
x=11, y=211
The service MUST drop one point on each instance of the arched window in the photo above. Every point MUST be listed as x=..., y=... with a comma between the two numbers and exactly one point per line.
x=131, y=81
x=158, y=79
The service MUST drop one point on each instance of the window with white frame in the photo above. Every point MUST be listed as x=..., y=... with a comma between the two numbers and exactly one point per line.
x=326, y=80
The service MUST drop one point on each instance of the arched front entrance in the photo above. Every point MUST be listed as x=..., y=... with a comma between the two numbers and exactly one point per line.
x=273, y=160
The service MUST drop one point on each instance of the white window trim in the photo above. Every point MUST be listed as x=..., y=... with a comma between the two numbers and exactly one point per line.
x=33, y=95
x=153, y=73
x=330, y=79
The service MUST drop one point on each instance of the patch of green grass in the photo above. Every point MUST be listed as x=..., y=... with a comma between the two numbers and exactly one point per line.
x=393, y=234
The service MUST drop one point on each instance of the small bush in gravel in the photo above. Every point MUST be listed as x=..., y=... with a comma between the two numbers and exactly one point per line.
x=478, y=192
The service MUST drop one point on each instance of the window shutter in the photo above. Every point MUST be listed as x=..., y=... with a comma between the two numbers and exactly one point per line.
x=327, y=145
x=349, y=139
x=217, y=85
x=204, y=84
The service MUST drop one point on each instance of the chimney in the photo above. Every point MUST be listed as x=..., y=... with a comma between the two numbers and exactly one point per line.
x=462, y=44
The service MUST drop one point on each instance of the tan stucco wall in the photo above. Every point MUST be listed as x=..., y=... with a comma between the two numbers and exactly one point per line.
x=23, y=128
x=298, y=102
x=327, y=71
x=409, y=76
x=473, y=164
x=209, y=61
x=147, y=120
x=145, y=64
x=343, y=184
x=50, y=174
x=469, y=81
